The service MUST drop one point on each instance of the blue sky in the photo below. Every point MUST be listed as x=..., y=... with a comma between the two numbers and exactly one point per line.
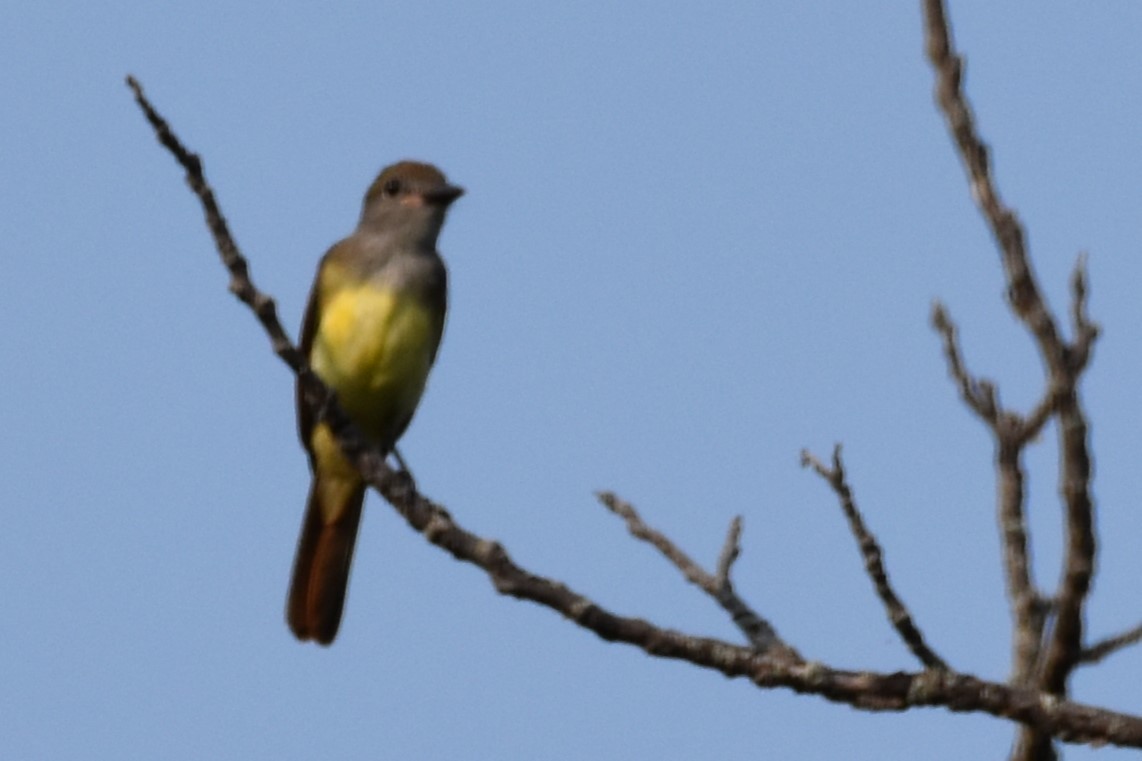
x=695, y=240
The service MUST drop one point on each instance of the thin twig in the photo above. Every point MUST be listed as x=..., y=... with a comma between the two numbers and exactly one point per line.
x=1040, y=415
x=979, y=395
x=1086, y=331
x=760, y=633
x=873, y=560
x=1023, y=292
x=240, y=284
x=730, y=551
x=1105, y=647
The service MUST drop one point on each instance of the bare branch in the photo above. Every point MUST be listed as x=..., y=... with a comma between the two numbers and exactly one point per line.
x=1044, y=713
x=1065, y=650
x=1010, y=434
x=757, y=630
x=1066, y=642
x=1042, y=413
x=240, y=284
x=1023, y=293
x=730, y=551
x=874, y=565
x=1103, y=648
x=1026, y=606
x=1086, y=332
x=978, y=395
x=1064, y=362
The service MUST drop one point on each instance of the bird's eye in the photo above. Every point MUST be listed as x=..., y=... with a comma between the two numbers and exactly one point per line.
x=392, y=187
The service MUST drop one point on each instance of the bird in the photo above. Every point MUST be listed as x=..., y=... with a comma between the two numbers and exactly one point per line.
x=371, y=332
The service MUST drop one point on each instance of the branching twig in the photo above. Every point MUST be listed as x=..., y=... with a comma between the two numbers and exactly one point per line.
x=760, y=633
x=981, y=396
x=1064, y=362
x=1011, y=435
x=873, y=560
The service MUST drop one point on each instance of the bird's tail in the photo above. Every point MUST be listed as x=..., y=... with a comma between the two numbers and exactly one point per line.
x=324, y=554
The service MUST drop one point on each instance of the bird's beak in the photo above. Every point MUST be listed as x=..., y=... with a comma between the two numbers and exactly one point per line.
x=443, y=195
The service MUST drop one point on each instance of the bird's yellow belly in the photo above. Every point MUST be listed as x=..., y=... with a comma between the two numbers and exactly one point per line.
x=374, y=348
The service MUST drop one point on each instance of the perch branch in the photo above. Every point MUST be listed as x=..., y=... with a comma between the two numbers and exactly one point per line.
x=1067, y=720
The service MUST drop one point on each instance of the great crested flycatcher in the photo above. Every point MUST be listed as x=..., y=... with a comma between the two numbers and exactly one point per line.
x=371, y=332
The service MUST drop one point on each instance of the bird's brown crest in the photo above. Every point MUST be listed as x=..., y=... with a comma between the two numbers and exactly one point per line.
x=409, y=175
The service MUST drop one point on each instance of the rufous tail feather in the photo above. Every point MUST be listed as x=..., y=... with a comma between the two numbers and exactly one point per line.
x=321, y=568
